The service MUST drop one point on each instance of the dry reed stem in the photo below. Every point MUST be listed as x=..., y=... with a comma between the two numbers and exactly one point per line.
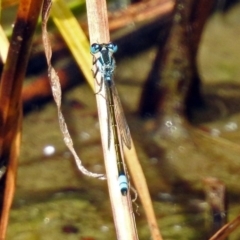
x=227, y=229
x=142, y=189
x=121, y=205
x=10, y=99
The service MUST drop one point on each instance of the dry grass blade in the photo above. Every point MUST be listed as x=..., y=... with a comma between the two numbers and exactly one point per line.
x=74, y=37
x=10, y=99
x=225, y=231
x=141, y=11
x=142, y=189
x=57, y=93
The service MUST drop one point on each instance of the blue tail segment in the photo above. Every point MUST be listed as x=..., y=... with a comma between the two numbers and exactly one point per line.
x=123, y=184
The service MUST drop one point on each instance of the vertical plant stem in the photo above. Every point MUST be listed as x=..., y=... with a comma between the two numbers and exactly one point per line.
x=10, y=99
x=121, y=205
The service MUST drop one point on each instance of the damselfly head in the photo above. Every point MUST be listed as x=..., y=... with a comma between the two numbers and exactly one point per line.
x=95, y=47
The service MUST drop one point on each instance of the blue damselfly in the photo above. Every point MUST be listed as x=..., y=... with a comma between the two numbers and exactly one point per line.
x=105, y=64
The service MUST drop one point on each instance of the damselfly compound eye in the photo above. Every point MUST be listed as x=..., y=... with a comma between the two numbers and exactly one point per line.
x=112, y=47
x=95, y=48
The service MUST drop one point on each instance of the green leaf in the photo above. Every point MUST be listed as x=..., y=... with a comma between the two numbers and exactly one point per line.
x=74, y=37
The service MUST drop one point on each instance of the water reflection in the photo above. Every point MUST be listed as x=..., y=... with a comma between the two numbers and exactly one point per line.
x=49, y=150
